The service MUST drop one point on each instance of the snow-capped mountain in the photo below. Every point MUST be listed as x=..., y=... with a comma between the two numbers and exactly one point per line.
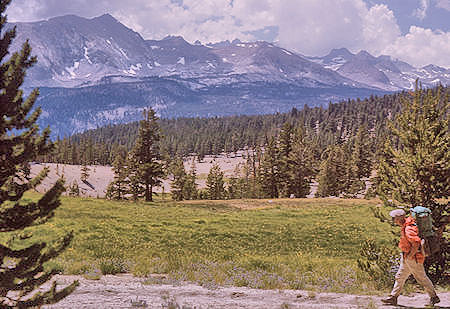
x=382, y=72
x=74, y=51
x=94, y=72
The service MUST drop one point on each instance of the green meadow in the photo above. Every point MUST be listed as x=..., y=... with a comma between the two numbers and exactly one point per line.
x=282, y=243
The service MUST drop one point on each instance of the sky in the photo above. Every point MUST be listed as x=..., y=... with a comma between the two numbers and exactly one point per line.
x=415, y=31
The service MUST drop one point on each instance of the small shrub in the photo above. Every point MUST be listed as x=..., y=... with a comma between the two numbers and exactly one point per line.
x=379, y=262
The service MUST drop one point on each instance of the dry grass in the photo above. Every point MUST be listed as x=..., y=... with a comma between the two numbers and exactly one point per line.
x=256, y=204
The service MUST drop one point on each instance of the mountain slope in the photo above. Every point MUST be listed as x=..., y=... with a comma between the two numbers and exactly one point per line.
x=73, y=51
x=68, y=111
x=382, y=72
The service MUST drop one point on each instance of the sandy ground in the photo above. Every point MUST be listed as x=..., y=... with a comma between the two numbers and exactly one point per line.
x=126, y=291
x=101, y=176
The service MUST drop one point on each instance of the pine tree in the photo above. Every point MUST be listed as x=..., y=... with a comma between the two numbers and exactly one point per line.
x=178, y=183
x=333, y=171
x=84, y=173
x=74, y=189
x=236, y=183
x=190, y=188
x=415, y=170
x=215, y=183
x=270, y=177
x=118, y=188
x=360, y=165
x=21, y=265
x=285, y=148
x=148, y=167
x=136, y=187
x=301, y=164
x=252, y=173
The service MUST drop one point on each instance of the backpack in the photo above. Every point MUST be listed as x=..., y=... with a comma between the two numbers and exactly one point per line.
x=430, y=242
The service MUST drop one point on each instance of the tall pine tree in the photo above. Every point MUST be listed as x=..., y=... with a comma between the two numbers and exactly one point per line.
x=415, y=170
x=21, y=263
x=285, y=148
x=148, y=167
x=190, y=187
x=301, y=164
x=360, y=164
x=215, y=183
x=270, y=169
x=118, y=188
x=178, y=183
x=333, y=171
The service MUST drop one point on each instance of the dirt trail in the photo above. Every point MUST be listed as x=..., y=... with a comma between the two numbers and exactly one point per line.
x=126, y=291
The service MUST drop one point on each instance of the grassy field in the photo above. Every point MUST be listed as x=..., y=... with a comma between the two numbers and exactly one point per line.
x=292, y=243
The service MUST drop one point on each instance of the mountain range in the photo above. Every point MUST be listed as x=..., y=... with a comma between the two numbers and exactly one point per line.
x=94, y=72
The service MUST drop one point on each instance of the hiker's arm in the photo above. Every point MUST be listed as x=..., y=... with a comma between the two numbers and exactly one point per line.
x=414, y=249
x=414, y=239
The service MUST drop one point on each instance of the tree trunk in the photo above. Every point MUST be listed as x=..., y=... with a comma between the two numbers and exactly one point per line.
x=148, y=195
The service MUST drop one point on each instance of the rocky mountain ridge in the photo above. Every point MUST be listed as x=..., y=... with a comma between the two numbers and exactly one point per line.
x=75, y=51
x=382, y=72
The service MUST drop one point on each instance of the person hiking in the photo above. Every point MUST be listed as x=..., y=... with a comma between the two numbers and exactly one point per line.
x=411, y=261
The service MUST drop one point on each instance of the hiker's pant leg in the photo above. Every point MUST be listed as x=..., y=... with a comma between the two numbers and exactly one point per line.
x=400, y=278
x=418, y=271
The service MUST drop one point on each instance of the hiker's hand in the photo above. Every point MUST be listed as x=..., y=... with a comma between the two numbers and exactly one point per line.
x=410, y=256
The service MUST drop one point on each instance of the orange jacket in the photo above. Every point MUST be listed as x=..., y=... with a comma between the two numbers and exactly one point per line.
x=410, y=234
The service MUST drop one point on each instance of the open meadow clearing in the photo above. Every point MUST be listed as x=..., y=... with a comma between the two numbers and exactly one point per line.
x=287, y=244
x=292, y=243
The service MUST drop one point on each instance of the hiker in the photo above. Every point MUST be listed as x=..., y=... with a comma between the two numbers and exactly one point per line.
x=411, y=261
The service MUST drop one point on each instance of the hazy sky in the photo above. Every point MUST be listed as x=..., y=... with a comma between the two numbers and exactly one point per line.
x=416, y=31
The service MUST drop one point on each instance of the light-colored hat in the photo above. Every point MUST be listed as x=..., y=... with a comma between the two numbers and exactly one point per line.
x=397, y=213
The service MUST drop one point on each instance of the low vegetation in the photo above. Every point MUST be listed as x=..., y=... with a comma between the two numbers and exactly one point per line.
x=285, y=243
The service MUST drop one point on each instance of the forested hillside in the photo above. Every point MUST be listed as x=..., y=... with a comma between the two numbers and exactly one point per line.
x=339, y=122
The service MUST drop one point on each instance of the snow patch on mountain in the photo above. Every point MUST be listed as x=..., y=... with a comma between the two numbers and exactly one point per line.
x=181, y=61
x=86, y=55
x=72, y=69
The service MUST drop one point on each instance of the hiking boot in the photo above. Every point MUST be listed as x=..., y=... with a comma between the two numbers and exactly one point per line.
x=391, y=300
x=433, y=300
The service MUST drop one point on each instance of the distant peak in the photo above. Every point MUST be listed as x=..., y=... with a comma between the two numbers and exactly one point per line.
x=174, y=37
x=364, y=53
x=174, y=41
x=343, y=52
x=66, y=17
x=105, y=17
